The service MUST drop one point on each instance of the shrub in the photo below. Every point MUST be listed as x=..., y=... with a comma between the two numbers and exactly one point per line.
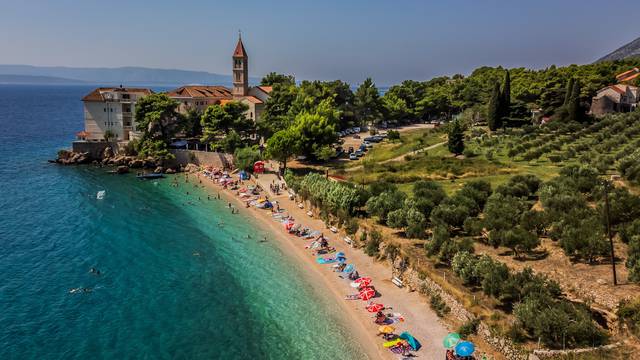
x=558, y=324
x=585, y=240
x=629, y=315
x=373, y=244
x=351, y=226
x=633, y=259
x=393, y=135
x=469, y=328
x=438, y=305
x=473, y=226
x=385, y=203
x=438, y=238
x=244, y=158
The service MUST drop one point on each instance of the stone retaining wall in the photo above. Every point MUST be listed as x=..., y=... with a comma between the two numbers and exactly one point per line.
x=94, y=148
x=216, y=159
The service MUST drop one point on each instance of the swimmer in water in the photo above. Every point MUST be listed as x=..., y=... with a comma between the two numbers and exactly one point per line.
x=94, y=271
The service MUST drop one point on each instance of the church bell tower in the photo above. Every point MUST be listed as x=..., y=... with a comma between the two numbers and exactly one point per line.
x=240, y=70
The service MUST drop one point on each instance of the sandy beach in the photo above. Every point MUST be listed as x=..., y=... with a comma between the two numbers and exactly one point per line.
x=420, y=320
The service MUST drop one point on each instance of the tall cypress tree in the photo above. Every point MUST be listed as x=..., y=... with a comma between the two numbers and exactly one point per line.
x=493, y=112
x=568, y=91
x=573, y=106
x=456, y=138
x=506, y=96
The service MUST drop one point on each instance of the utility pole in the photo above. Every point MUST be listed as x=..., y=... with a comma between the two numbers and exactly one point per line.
x=606, y=209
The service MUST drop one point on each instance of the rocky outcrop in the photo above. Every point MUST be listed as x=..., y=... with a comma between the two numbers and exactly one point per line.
x=66, y=157
x=122, y=162
x=191, y=168
x=107, y=153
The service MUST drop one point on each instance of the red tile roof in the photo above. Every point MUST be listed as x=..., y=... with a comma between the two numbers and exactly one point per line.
x=240, y=51
x=627, y=73
x=252, y=99
x=97, y=94
x=629, y=77
x=266, y=89
x=200, y=91
x=616, y=89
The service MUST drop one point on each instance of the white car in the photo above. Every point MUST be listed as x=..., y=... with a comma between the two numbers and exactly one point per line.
x=367, y=144
x=356, y=129
x=353, y=156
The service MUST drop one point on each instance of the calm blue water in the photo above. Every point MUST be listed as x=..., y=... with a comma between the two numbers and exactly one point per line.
x=173, y=283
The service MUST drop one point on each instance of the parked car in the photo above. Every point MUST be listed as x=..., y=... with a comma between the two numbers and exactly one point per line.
x=350, y=149
x=356, y=136
x=363, y=148
x=368, y=138
x=367, y=144
x=359, y=153
x=356, y=129
x=353, y=156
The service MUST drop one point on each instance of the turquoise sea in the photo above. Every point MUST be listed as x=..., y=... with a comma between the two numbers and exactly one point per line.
x=173, y=283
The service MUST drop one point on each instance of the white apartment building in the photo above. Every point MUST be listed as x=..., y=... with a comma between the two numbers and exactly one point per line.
x=111, y=109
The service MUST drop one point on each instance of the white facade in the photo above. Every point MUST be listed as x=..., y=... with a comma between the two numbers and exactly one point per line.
x=111, y=109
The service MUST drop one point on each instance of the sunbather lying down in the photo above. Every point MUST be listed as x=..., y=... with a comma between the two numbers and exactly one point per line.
x=325, y=250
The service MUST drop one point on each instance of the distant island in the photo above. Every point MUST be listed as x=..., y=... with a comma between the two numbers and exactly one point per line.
x=28, y=74
x=37, y=80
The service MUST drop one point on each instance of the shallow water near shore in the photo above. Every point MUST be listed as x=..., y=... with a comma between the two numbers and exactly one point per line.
x=179, y=277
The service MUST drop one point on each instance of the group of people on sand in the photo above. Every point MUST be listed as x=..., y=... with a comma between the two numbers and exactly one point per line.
x=320, y=245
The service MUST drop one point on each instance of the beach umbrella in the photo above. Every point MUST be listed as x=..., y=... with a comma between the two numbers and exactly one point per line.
x=367, y=293
x=413, y=342
x=465, y=348
x=373, y=307
x=363, y=283
x=451, y=340
x=386, y=329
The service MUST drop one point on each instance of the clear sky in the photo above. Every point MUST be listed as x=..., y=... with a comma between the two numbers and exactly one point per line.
x=389, y=40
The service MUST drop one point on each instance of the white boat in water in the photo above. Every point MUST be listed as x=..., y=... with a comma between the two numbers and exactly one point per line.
x=100, y=194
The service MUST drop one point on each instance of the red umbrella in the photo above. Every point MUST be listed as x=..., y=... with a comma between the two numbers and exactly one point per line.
x=363, y=281
x=373, y=307
x=367, y=293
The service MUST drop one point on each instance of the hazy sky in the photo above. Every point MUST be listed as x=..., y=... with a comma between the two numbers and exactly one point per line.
x=388, y=40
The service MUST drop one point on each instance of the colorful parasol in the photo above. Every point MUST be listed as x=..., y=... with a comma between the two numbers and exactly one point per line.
x=465, y=348
x=367, y=293
x=373, y=307
x=386, y=329
x=451, y=340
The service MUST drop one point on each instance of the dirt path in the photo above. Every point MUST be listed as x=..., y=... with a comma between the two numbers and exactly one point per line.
x=401, y=157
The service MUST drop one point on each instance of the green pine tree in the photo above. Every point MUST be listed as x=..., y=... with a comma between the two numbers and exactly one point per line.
x=456, y=138
x=568, y=91
x=493, y=112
